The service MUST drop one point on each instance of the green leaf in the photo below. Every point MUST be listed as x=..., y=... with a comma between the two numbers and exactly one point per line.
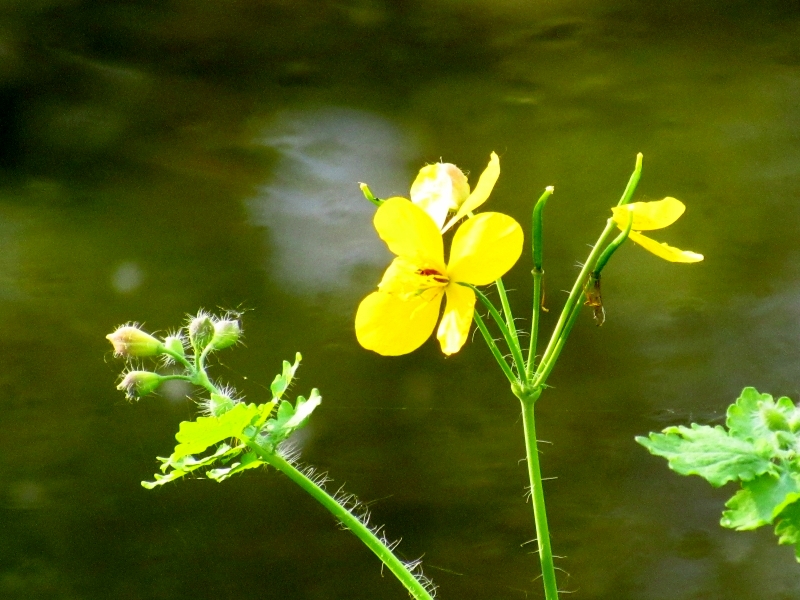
x=302, y=410
x=162, y=479
x=186, y=464
x=196, y=436
x=710, y=453
x=281, y=382
x=788, y=527
x=757, y=416
x=760, y=501
x=249, y=461
x=289, y=419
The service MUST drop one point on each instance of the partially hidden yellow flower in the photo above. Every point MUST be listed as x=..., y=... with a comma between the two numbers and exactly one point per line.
x=401, y=315
x=654, y=215
x=442, y=188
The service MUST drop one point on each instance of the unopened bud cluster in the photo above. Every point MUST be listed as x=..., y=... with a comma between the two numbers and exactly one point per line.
x=204, y=333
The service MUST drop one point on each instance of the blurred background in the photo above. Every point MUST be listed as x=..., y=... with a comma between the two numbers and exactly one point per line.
x=158, y=157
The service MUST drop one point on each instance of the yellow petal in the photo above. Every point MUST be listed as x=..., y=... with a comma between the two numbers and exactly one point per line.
x=438, y=189
x=409, y=231
x=665, y=251
x=484, y=248
x=649, y=215
x=405, y=280
x=481, y=192
x=391, y=326
x=454, y=328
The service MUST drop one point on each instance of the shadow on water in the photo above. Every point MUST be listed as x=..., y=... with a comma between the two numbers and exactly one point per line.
x=159, y=157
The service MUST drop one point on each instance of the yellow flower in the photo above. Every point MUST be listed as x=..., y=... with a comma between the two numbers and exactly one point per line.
x=401, y=315
x=654, y=215
x=442, y=188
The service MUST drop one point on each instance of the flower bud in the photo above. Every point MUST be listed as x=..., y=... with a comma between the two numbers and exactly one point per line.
x=226, y=333
x=794, y=422
x=775, y=419
x=217, y=405
x=201, y=331
x=369, y=195
x=139, y=383
x=130, y=341
x=175, y=344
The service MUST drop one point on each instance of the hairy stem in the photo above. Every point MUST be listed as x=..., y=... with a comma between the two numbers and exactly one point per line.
x=349, y=520
x=511, y=341
x=512, y=327
x=487, y=337
x=537, y=497
x=178, y=358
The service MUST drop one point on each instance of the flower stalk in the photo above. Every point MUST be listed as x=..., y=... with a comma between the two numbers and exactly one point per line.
x=349, y=520
x=537, y=499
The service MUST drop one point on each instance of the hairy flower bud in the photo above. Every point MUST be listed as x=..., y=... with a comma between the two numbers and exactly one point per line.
x=775, y=419
x=130, y=341
x=226, y=333
x=139, y=383
x=217, y=405
x=201, y=331
x=175, y=344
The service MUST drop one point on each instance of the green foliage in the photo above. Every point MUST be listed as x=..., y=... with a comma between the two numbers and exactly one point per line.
x=196, y=436
x=243, y=423
x=227, y=425
x=287, y=420
x=281, y=382
x=760, y=449
x=710, y=452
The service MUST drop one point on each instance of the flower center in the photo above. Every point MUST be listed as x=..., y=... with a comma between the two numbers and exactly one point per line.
x=408, y=280
x=435, y=275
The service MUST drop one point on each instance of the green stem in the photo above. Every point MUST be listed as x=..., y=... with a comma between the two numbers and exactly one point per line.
x=178, y=358
x=537, y=497
x=574, y=296
x=201, y=378
x=537, y=305
x=512, y=327
x=577, y=289
x=536, y=243
x=513, y=343
x=612, y=247
x=627, y=195
x=546, y=368
x=201, y=361
x=350, y=521
x=180, y=377
x=487, y=337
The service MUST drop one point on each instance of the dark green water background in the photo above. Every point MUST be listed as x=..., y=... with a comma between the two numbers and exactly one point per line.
x=157, y=157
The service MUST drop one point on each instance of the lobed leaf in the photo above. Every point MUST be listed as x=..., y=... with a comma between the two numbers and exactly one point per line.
x=710, y=453
x=757, y=416
x=761, y=500
x=196, y=436
x=249, y=461
x=289, y=419
x=788, y=527
x=281, y=382
x=186, y=464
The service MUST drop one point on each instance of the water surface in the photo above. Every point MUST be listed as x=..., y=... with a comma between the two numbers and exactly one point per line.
x=160, y=157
